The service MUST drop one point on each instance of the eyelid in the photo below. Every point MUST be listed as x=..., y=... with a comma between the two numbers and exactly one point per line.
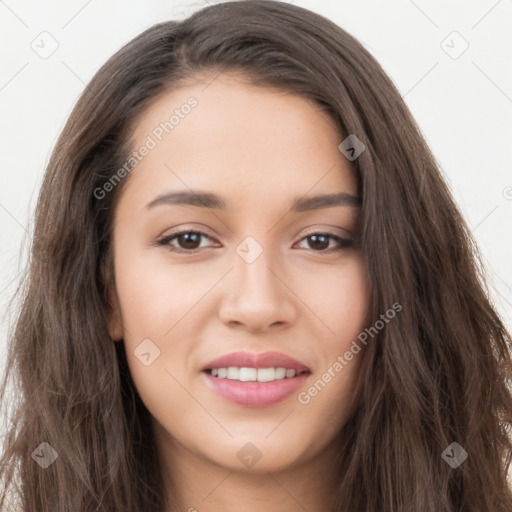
x=328, y=231
x=314, y=230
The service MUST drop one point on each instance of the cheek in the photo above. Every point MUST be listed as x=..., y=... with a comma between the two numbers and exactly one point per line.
x=343, y=303
x=344, y=306
x=160, y=303
x=154, y=296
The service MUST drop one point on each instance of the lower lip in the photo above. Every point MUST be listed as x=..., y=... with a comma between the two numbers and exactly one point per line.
x=255, y=394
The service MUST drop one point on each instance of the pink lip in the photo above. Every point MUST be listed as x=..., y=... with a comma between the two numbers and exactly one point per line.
x=263, y=360
x=256, y=394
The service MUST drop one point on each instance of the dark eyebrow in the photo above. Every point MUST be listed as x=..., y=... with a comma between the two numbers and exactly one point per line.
x=209, y=200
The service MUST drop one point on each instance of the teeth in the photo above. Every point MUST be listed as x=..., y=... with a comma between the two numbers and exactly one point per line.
x=245, y=374
x=253, y=374
x=233, y=373
x=280, y=373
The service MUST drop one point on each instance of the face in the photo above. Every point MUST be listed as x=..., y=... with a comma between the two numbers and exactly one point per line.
x=280, y=286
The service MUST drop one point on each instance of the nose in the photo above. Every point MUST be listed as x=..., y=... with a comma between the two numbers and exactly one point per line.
x=257, y=296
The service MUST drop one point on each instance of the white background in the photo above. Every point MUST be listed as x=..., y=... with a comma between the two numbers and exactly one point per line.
x=463, y=105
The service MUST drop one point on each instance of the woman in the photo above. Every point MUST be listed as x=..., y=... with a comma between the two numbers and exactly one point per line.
x=251, y=289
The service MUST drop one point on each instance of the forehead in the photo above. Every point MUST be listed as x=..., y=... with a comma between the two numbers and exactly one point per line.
x=253, y=143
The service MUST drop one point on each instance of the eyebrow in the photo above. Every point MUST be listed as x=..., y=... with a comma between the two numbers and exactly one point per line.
x=210, y=200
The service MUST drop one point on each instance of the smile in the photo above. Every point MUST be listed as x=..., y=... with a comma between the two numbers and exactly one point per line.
x=245, y=374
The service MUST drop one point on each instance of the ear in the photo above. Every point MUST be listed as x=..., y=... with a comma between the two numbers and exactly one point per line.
x=115, y=322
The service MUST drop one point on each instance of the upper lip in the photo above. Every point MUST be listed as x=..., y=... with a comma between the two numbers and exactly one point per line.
x=251, y=360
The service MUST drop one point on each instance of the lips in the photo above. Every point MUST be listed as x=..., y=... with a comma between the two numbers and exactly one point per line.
x=263, y=360
x=256, y=394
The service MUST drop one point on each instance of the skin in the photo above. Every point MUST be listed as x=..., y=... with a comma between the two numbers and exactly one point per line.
x=258, y=148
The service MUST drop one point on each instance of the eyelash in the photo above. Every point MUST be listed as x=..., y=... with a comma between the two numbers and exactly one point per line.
x=344, y=242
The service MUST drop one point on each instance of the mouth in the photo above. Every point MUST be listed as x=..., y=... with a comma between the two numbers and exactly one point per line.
x=255, y=380
x=246, y=374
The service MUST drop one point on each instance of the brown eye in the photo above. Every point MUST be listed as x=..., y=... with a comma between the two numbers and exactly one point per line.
x=319, y=242
x=187, y=241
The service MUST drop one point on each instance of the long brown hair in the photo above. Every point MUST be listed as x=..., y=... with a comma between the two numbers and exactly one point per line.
x=438, y=373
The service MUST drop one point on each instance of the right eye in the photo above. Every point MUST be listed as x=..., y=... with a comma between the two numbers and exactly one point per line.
x=187, y=240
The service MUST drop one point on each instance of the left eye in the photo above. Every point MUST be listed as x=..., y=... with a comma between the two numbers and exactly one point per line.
x=188, y=240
